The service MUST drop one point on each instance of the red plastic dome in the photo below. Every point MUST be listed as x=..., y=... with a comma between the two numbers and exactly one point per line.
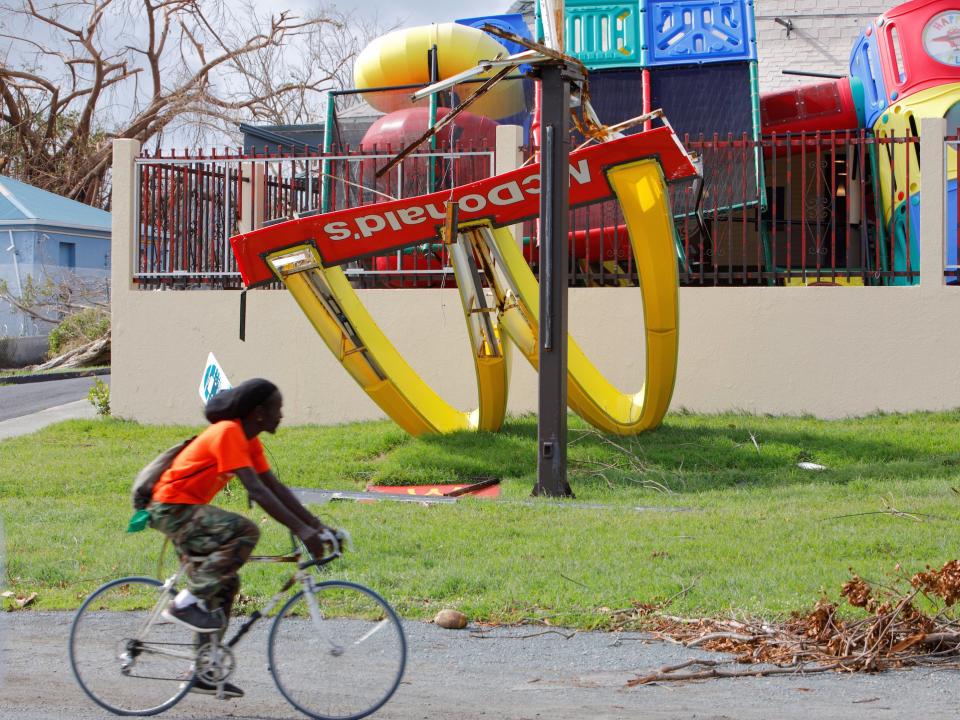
x=402, y=127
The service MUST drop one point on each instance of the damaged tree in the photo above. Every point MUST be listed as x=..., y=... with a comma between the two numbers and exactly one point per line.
x=77, y=75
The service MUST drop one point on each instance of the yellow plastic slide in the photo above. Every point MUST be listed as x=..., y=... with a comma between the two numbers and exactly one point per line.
x=333, y=307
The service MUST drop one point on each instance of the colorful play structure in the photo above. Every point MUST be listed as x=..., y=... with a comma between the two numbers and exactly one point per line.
x=697, y=61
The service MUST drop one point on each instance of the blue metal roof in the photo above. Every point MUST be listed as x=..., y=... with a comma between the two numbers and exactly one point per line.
x=25, y=204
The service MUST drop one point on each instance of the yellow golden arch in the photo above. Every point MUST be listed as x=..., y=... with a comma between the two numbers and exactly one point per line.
x=373, y=361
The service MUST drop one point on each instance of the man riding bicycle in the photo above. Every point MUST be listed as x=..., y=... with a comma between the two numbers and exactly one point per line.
x=180, y=506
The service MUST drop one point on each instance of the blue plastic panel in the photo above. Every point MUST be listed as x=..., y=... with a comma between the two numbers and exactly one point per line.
x=865, y=67
x=707, y=99
x=951, y=258
x=900, y=240
x=512, y=23
x=685, y=33
x=603, y=35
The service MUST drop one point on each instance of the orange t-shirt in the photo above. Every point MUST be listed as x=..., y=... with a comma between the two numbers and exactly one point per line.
x=207, y=464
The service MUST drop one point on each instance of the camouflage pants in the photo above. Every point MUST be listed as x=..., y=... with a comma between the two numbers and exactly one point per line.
x=224, y=540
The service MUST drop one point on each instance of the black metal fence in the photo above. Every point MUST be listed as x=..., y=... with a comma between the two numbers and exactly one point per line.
x=837, y=208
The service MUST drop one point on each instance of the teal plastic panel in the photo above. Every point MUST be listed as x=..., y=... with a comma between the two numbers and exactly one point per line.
x=603, y=35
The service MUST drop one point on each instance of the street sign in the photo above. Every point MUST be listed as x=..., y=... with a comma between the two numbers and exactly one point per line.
x=213, y=381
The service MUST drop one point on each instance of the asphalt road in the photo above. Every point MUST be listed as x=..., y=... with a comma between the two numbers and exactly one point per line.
x=27, y=398
x=511, y=674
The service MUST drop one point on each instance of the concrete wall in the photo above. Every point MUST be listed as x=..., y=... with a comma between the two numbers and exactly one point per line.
x=831, y=352
x=17, y=352
x=821, y=39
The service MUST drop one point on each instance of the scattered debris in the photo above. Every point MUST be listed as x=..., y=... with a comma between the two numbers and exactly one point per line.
x=895, y=633
x=485, y=635
x=321, y=497
x=318, y=496
x=575, y=582
x=627, y=464
x=19, y=601
x=811, y=466
x=95, y=352
x=476, y=487
x=889, y=509
x=451, y=619
x=485, y=488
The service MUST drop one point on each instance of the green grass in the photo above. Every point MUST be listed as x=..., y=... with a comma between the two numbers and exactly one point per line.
x=742, y=531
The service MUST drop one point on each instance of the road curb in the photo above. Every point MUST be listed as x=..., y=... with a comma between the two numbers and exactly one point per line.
x=43, y=377
x=26, y=424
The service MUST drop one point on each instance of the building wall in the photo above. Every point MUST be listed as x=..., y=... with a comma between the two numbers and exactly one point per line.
x=38, y=257
x=821, y=39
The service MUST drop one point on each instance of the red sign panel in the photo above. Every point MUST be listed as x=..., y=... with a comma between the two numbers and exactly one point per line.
x=433, y=490
x=505, y=199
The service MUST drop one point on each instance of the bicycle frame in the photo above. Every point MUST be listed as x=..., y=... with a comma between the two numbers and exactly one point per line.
x=301, y=575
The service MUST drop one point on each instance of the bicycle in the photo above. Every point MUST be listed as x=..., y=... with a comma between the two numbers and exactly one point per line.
x=336, y=649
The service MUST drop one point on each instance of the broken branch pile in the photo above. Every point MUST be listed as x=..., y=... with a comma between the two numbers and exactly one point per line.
x=894, y=633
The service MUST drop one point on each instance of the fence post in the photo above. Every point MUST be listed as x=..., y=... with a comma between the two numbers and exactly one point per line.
x=933, y=224
x=124, y=252
x=508, y=156
x=251, y=196
x=123, y=213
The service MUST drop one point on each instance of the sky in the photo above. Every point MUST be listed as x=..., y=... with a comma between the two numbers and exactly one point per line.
x=407, y=13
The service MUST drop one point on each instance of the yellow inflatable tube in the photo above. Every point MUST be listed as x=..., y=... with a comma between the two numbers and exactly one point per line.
x=335, y=311
x=400, y=58
x=641, y=191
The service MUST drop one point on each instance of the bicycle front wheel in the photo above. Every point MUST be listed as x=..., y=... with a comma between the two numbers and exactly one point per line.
x=127, y=658
x=337, y=653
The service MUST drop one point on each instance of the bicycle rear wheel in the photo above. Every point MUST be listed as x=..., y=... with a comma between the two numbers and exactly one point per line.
x=127, y=658
x=342, y=661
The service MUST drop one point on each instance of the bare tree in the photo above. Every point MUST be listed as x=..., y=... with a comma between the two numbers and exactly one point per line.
x=329, y=51
x=76, y=75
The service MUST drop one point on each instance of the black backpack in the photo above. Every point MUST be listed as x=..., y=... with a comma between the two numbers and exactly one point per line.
x=142, y=490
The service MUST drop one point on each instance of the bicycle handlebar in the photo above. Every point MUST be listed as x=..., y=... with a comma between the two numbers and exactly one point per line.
x=339, y=539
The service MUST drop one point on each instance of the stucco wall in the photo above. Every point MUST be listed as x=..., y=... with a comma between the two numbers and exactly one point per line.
x=830, y=352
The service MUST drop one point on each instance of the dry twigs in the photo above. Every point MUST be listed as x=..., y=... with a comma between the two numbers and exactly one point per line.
x=627, y=464
x=895, y=633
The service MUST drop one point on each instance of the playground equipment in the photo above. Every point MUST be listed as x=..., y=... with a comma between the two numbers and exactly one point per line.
x=904, y=66
x=399, y=58
x=912, y=55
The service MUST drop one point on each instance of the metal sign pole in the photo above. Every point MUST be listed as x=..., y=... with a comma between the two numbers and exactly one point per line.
x=554, y=259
